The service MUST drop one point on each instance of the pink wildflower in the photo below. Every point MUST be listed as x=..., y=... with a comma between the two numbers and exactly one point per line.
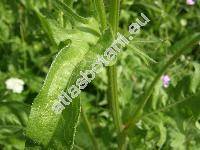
x=190, y=2
x=166, y=80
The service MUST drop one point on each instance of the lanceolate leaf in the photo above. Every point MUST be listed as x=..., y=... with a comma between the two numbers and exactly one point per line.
x=142, y=55
x=45, y=25
x=57, y=130
x=195, y=79
x=69, y=12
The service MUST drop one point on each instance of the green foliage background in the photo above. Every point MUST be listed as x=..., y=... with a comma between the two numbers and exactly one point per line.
x=32, y=33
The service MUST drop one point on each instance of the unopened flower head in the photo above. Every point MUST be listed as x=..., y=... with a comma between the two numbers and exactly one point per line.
x=165, y=80
x=190, y=2
x=15, y=84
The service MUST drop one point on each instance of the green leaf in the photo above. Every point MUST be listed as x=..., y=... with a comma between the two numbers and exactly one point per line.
x=58, y=130
x=178, y=140
x=191, y=105
x=180, y=47
x=163, y=134
x=195, y=78
x=45, y=25
x=59, y=36
x=142, y=55
x=13, y=119
x=100, y=8
x=68, y=11
x=155, y=95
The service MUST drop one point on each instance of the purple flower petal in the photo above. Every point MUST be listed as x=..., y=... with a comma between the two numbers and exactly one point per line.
x=190, y=2
x=165, y=80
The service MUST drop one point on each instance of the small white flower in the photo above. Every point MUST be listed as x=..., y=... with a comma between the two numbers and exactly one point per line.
x=15, y=84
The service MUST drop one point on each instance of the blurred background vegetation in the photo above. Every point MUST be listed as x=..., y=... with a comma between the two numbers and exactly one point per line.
x=171, y=119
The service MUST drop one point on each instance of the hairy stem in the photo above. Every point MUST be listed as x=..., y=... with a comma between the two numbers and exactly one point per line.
x=89, y=129
x=113, y=96
x=112, y=72
x=114, y=16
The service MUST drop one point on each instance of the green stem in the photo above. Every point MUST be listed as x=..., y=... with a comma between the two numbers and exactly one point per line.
x=114, y=16
x=22, y=34
x=112, y=72
x=113, y=96
x=180, y=47
x=114, y=103
x=89, y=129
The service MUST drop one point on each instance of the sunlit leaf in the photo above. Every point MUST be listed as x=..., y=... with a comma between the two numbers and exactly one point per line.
x=60, y=129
